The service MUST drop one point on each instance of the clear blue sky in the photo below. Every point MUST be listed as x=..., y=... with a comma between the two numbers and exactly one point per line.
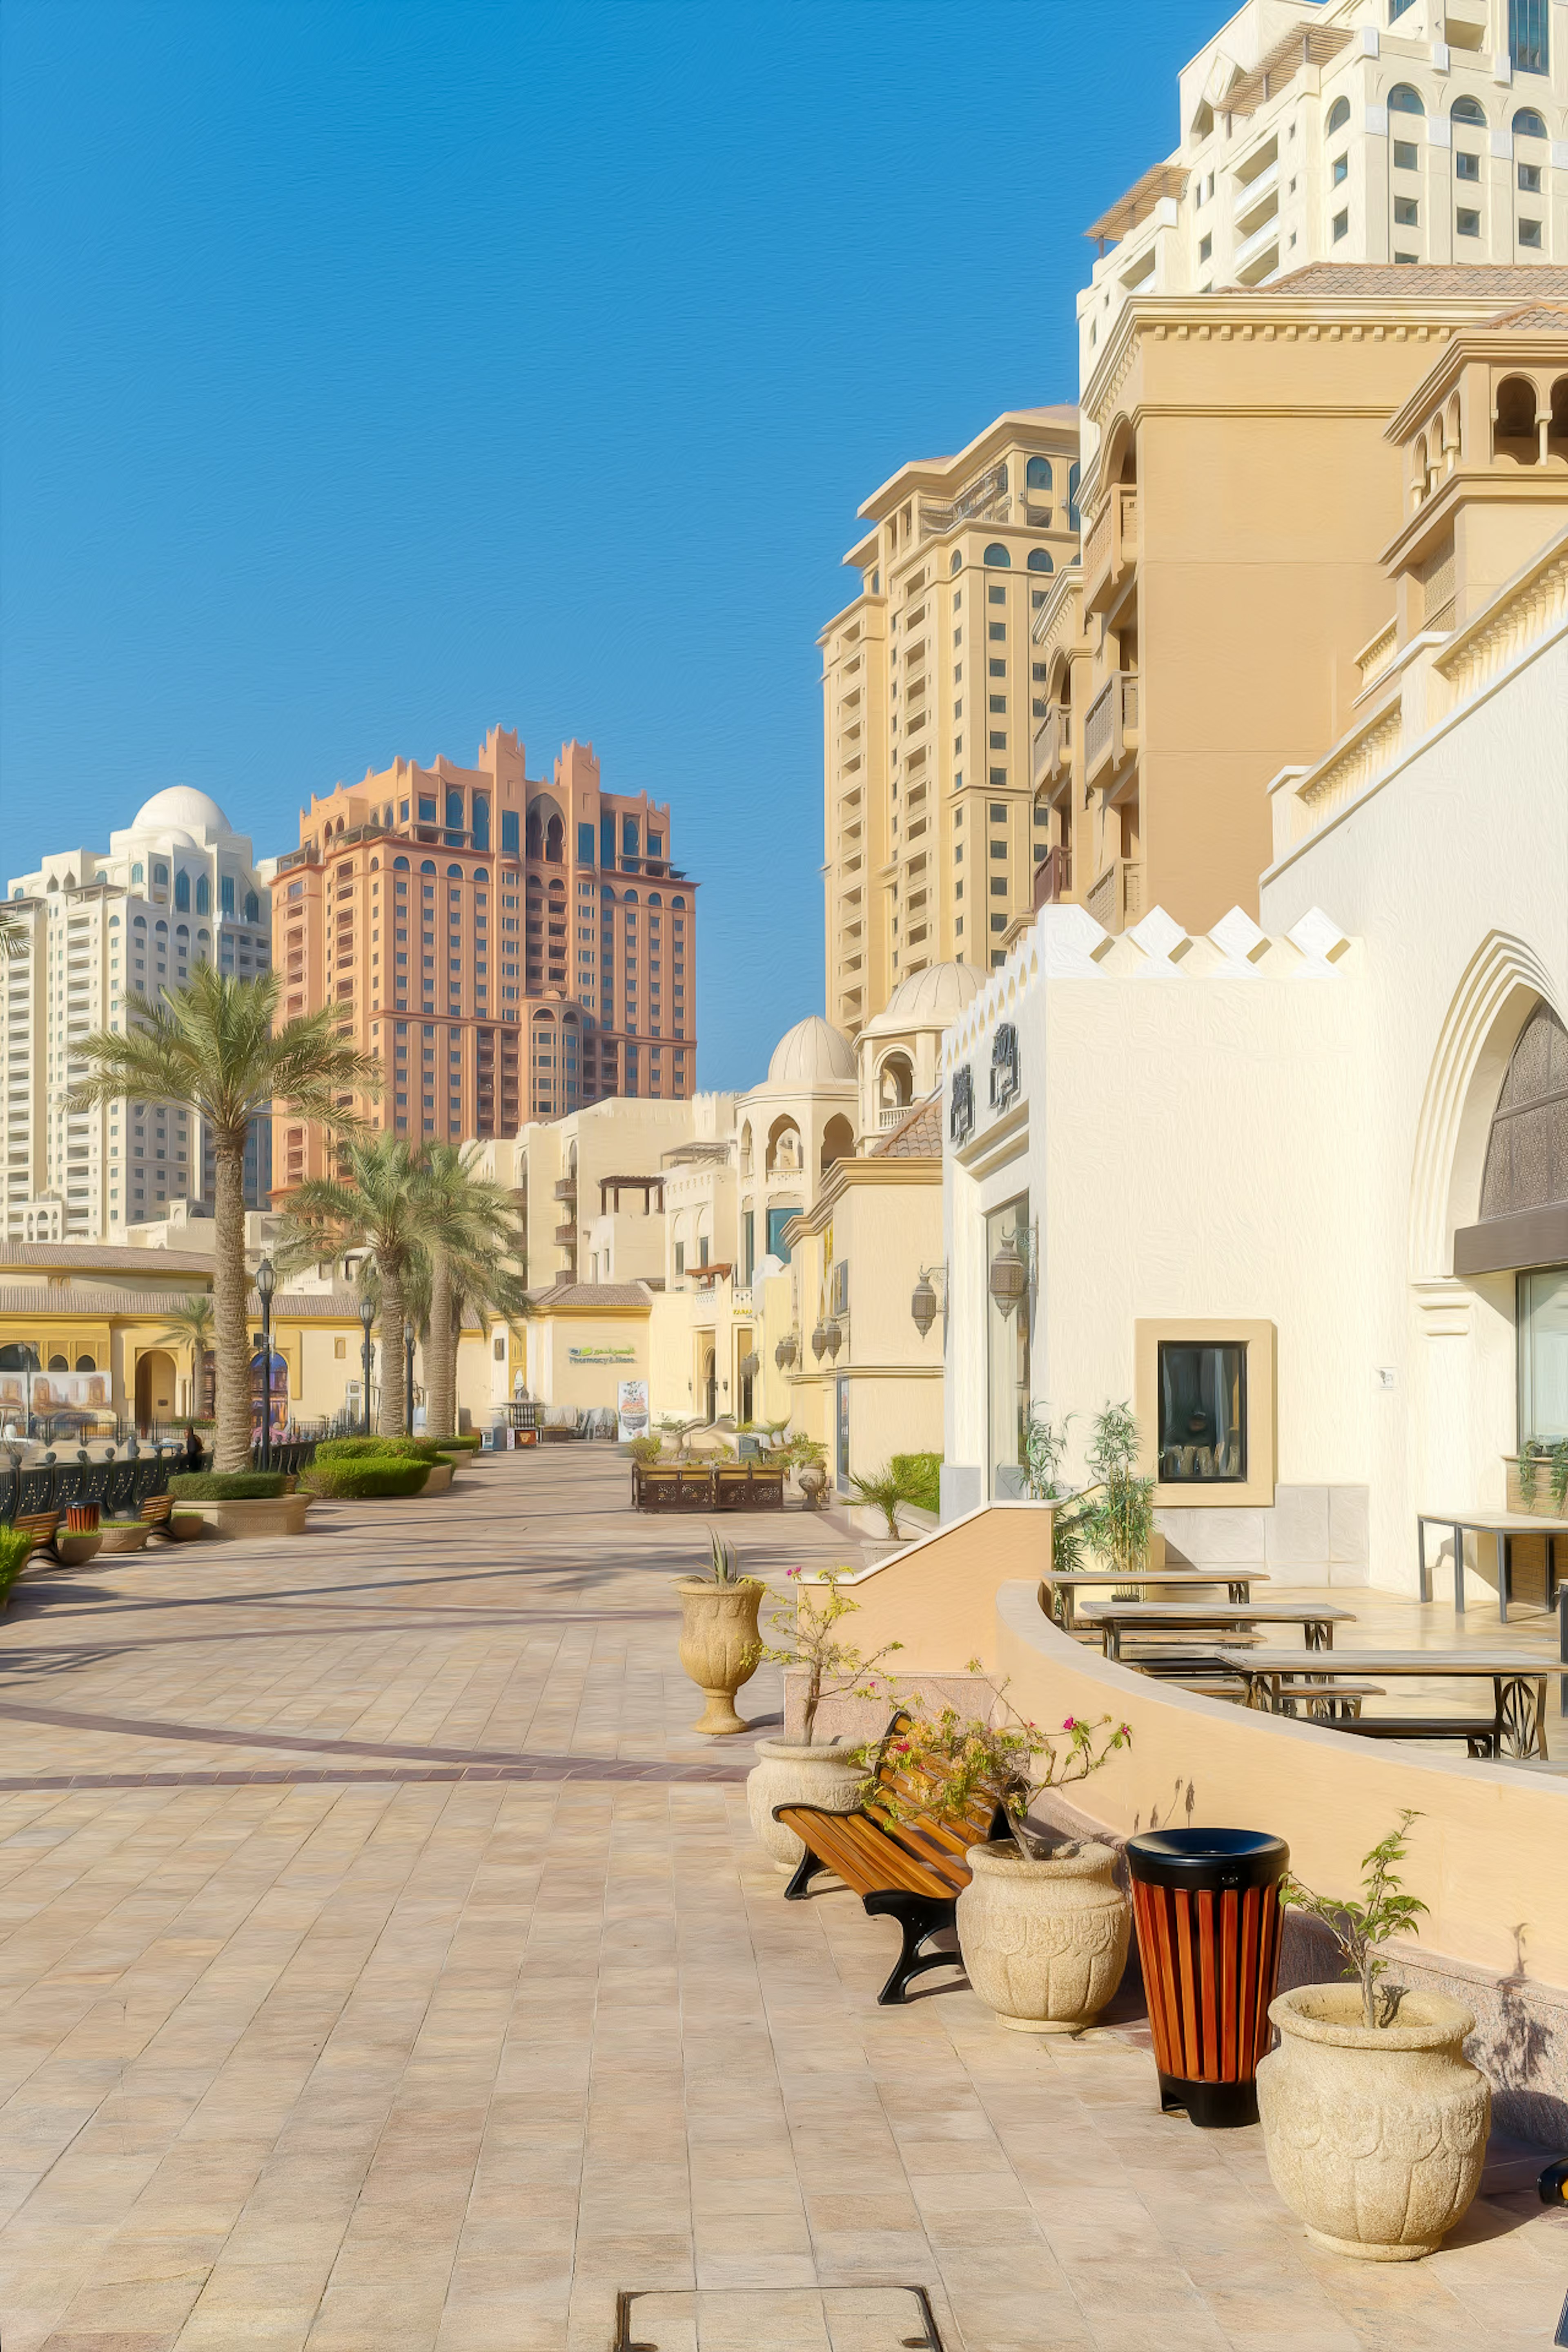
x=374, y=374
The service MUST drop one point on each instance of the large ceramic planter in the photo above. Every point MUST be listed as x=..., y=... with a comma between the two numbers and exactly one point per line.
x=813, y=1485
x=261, y=1515
x=127, y=1539
x=75, y=1551
x=185, y=1527
x=789, y=1773
x=1043, y=1943
x=1375, y=2137
x=718, y=1645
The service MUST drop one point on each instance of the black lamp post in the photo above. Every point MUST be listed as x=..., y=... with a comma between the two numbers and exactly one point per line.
x=366, y=1316
x=408, y=1379
x=266, y=1284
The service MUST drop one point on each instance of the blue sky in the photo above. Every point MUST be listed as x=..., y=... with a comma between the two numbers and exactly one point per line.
x=375, y=373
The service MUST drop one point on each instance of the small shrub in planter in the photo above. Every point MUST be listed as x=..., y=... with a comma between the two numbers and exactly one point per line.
x=15, y=1550
x=379, y=1449
x=226, y=1486
x=468, y=1441
x=920, y=1475
x=370, y=1478
x=645, y=1449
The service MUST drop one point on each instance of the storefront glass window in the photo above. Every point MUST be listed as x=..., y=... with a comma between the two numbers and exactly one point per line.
x=1007, y=1352
x=1542, y=1321
x=1203, y=1412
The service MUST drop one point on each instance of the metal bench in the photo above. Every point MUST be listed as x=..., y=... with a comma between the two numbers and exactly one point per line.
x=912, y=1871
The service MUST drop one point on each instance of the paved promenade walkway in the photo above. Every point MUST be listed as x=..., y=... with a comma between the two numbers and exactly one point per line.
x=387, y=1968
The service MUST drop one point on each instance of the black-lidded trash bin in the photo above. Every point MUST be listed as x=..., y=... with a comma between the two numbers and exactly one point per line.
x=1206, y=1905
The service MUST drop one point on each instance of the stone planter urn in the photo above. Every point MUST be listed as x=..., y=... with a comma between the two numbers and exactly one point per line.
x=790, y=1773
x=127, y=1539
x=75, y=1551
x=718, y=1644
x=1043, y=1943
x=185, y=1527
x=813, y=1483
x=1375, y=2135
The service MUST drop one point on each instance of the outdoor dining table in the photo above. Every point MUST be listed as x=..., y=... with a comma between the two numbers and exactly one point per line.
x=1503, y=1526
x=1058, y=1592
x=1317, y=1619
x=1518, y=1681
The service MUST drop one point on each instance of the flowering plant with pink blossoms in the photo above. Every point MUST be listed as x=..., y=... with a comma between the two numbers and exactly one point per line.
x=949, y=1760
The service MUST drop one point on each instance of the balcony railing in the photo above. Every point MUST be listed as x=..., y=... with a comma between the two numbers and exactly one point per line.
x=566, y=1188
x=1051, y=755
x=1115, y=898
x=1111, y=734
x=1053, y=877
x=567, y=1237
x=1110, y=546
x=891, y=1115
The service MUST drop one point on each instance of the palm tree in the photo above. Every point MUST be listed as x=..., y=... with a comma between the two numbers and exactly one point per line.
x=191, y=1326
x=493, y=1290
x=375, y=1203
x=210, y=1048
x=468, y=1224
x=14, y=935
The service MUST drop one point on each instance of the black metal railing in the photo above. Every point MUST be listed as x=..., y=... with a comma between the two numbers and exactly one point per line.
x=118, y=1488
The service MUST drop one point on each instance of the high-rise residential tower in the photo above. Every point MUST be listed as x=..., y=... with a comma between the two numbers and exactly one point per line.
x=928, y=692
x=177, y=888
x=509, y=948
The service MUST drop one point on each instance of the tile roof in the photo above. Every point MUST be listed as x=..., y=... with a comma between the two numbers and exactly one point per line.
x=82, y=1298
x=1453, y=282
x=103, y=1257
x=1535, y=318
x=591, y=1294
x=919, y=1136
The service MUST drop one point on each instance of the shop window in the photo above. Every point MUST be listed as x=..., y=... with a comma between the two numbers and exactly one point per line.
x=1542, y=1328
x=1202, y=1434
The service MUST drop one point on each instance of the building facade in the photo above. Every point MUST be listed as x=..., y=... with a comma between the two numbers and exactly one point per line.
x=1406, y=132
x=177, y=888
x=508, y=949
x=1236, y=515
x=928, y=689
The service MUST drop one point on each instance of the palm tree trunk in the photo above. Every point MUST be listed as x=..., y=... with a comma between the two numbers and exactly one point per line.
x=394, y=1405
x=442, y=1382
x=231, y=1286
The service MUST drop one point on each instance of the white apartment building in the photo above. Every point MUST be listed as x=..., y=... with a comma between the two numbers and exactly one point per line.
x=1415, y=132
x=178, y=886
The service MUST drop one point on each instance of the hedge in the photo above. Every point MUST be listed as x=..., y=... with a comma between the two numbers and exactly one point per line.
x=469, y=1442
x=366, y=1479
x=226, y=1486
x=920, y=1475
x=15, y=1549
x=381, y=1449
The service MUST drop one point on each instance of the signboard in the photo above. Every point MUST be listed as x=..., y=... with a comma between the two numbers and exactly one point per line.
x=601, y=1355
x=631, y=1406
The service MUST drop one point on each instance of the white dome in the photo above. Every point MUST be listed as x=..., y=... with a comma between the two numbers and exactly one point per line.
x=182, y=807
x=931, y=999
x=812, y=1052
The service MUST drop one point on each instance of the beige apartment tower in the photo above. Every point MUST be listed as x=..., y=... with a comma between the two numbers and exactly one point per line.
x=928, y=694
x=509, y=948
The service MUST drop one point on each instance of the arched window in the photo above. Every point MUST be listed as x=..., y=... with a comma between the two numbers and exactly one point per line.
x=1464, y=110
x=400, y=865
x=654, y=899
x=252, y=907
x=1339, y=115
x=87, y=1363
x=455, y=811
x=1402, y=100
x=160, y=877
x=535, y=843
x=376, y=866
x=1527, y=124
x=957, y=559
x=481, y=822
x=1557, y=426
x=1513, y=433
x=427, y=865
x=139, y=924
x=1037, y=474
x=181, y=931
x=631, y=898
x=161, y=926
x=454, y=873
x=997, y=553
x=679, y=903
x=183, y=891
x=1075, y=521
x=204, y=895
x=555, y=841
x=136, y=873
x=1040, y=560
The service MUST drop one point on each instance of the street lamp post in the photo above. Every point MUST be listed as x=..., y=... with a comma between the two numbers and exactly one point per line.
x=408, y=1379
x=265, y=1283
x=366, y=1316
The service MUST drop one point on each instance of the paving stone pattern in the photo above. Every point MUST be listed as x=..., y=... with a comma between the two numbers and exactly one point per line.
x=438, y=2047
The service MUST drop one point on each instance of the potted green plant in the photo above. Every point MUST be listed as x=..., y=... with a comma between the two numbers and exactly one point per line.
x=1113, y=1516
x=1043, y=1934
x=718, y=1646
x=124, y=1535
x=15, y=1550
x=807, y=1458
x=808, y=1772
x=887, y=1490
x=1375, y=2122
x=1528, y=1490
x=242, y=1503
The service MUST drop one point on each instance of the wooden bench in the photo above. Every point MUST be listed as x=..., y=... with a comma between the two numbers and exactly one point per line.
x=42, y=1527
x=156, y=1512
x=1479, y=1737
x=747, y=1487
x=911, y=1871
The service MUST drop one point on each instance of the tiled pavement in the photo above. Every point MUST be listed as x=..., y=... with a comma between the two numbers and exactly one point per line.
x=393, y=2053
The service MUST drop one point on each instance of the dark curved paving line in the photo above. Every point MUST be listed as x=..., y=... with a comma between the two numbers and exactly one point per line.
x=474, y=1762
x=539, y=1769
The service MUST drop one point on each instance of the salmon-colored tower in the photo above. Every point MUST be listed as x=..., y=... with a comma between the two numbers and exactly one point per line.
x=508, y=948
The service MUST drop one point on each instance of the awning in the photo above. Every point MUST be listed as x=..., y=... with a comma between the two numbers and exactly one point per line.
x=1505, y=1244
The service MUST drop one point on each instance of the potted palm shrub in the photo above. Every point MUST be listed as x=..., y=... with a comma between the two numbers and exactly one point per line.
x=885, y=1491
x=808, y=1772
x=1375, y=2122
x=718, y=1645
x=1043, y=1934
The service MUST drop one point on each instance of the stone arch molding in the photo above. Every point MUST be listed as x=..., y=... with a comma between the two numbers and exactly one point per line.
x=1502, y=984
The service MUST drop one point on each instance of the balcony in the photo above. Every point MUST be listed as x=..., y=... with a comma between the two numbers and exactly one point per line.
x=1111, y=547
x=565, y=1188
x=1116, y=896
x=1053, y=878
x=1111, y=735
x=891, y=1115
x=1051, y=755
x=566, y=1236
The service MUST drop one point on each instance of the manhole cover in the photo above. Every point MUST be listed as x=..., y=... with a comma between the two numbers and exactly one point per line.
x=777, y=2319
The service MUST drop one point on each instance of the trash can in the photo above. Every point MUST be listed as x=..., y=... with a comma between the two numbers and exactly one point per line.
x=1206, y=1905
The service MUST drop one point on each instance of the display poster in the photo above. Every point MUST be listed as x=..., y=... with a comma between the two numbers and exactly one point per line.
x=631, y=1406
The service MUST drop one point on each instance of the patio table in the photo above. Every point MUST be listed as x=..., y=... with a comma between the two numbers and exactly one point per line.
x=1317, y=1619
x=1503, y=1526
x=1518, y=1681
x=1059, y=1597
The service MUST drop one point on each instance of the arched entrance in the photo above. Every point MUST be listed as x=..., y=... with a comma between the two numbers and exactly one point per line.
x=17, y=1365
x=156, y=1388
